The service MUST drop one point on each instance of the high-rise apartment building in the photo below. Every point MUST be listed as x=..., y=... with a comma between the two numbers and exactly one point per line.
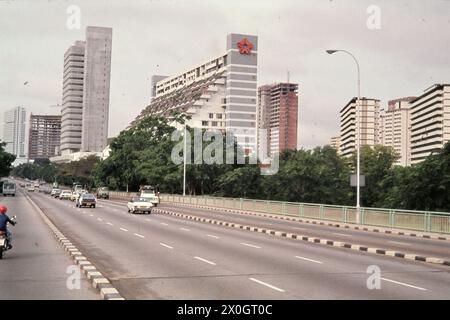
x=395, y=128
x=14, y=132
x=277, y=113
x=219, y=94
x=430, y=122
x=369, y=125
x=44, y=136
x=335, y=142
x=97, y=72
x=85, y=109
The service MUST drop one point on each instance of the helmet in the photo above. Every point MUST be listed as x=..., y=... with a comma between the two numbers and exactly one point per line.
x=3, y=209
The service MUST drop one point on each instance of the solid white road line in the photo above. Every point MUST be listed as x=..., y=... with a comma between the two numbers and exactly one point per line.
x=400, y=243
x=404, y=284
x=123, y=229
x=212, y=236
x=250, y=245
x=307, y=259
x=165, y=245
x=139, y=235
x=266, y=284
x=206, y=261
x=184, y=229
x=342, y=234
x=164, y=224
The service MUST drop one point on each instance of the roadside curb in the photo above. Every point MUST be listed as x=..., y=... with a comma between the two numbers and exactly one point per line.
x=346, y=245
x=95, y=277
x=319, y=222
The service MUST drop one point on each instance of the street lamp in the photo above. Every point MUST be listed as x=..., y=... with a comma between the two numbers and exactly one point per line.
x=358, y=139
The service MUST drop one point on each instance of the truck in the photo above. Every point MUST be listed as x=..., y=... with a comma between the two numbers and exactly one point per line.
x=149, y=192
x=103, y=193
x=9, y=189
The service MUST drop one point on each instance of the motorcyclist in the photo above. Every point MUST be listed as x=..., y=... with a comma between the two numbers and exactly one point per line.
x=4, y=219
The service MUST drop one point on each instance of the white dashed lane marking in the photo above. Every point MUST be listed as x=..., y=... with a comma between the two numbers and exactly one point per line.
x=342, y=234
x=139, y=235
x=400, y=243
x=109, y=223
x=206, y=261
x=123, y=229
x=212, y=236
x=184, y=229
x=166, y=245
x=307, y=259
x=404, y=284
x=267, y=285
x=164, y=224
x=250, y=245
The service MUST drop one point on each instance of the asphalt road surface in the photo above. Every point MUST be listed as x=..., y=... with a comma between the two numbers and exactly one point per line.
x=36, y=266
x=163, y=257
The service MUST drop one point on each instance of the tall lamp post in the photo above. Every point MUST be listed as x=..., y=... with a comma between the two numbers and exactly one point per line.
x=358, y=139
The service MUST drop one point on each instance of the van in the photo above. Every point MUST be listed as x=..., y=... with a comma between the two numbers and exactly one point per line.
x=9, y=189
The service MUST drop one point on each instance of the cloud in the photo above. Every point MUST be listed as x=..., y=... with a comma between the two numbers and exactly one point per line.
x=408, y=53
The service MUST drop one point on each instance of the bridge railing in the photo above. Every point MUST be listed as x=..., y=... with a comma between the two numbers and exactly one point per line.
x=429, y=221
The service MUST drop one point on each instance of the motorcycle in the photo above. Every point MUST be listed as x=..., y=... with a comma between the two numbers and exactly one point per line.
x=4, y=243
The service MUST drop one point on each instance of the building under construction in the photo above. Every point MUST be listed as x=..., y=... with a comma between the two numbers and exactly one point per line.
x=277, y=113
x=45, y=136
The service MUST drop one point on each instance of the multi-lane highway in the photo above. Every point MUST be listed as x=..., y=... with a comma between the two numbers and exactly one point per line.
x=37, y=267
x=160, y=256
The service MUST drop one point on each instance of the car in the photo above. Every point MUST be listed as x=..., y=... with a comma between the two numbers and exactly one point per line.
x=86, y=200
x=30, y=188
x=57, y=193
x=74, y=196
x=54, y=190
x=103, y=193
x=65, y=195
x=77, y=194
x=140, y=204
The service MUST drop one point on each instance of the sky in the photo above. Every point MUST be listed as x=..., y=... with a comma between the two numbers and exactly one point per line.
x=402, y=47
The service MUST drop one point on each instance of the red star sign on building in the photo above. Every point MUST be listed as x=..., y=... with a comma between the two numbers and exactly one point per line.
x=245, y=46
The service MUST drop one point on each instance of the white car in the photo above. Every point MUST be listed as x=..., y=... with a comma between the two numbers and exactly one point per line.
x=139, y=204
x=65, y=195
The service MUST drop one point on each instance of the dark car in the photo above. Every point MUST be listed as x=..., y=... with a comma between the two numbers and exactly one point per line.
x=86, y=200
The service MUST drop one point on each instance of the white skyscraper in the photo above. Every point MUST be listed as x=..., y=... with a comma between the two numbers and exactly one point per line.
x=85, y=108
x=15, y=132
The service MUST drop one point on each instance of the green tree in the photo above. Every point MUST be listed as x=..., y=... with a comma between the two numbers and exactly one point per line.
x=376, y=164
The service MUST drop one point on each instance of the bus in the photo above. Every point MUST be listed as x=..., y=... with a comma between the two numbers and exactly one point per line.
x=9, y=189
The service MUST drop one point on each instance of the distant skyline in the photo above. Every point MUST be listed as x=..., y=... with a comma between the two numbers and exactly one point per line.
x=407, y=54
